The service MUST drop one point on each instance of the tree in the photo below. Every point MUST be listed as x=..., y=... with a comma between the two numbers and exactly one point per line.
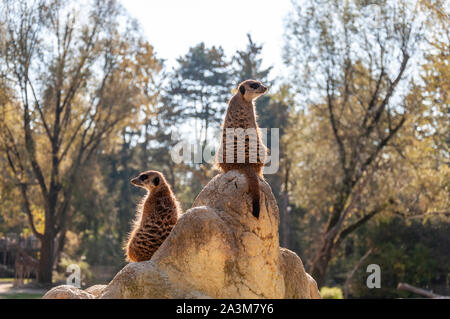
x=247, y=63
x=200, y=87
x=351, y=62
x=436, y=75
x=194, y=102
x=77, y=80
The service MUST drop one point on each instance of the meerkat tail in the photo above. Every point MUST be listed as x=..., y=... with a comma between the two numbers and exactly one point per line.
x=253, y=188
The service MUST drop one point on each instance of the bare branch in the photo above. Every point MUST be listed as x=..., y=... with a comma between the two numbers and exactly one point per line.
x=335, y=129
x=420, y=291
x=428, y=214
x=352, y=227
x=31, y=151
x=352, y=273
x=39, y=108
x=388, y=96
x=23, y=188
x=382, y=144
x=26, y=203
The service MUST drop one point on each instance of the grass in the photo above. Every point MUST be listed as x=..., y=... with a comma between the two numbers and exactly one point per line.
x=6, y=280
x=27, y=294
x=21, y=296
x=11, y=280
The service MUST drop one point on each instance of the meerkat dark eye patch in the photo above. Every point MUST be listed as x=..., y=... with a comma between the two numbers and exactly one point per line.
x=143, y=177
x=242, y=89
x=156, y=181
x=254, y=86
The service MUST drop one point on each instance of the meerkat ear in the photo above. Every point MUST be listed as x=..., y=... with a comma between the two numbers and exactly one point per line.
x=242, y=89
x=156, y=181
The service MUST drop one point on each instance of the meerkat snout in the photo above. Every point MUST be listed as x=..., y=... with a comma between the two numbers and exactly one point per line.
x=147, y=180
x=251, y=89
x=258, y=87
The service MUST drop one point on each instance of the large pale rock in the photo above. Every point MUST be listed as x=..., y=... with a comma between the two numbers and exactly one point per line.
x=147, y=280
x=298, y=283
x=67, y=292
x=314, y=292
x=219, y=250
x=95, y=290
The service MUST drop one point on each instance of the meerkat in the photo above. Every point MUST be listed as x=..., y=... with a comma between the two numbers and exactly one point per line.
x=241, y=113
x=156, y=216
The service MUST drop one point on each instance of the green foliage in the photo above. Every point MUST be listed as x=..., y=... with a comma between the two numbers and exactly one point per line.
x=6, y=272
x=331, y=293
x=411, y=251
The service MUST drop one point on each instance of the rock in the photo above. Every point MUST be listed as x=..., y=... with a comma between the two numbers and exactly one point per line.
x=314, y=292
x=67, y=292
x=146, y=280
x=218, y=249
x=298, y=283
x=95, y=290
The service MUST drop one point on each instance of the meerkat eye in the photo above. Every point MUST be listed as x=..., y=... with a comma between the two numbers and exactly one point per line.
x=156, y=181
x=254, y=86
x=143, y=177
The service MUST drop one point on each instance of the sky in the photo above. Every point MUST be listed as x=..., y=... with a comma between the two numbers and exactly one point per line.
x=172, y=26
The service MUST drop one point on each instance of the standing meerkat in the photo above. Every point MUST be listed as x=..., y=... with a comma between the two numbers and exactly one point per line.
x=156, y=216
x=241, y=114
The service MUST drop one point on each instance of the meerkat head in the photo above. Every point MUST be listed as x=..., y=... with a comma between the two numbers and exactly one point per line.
x=251, y=89
x=149, y=180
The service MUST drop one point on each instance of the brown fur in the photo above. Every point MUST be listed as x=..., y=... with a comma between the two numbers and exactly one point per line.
x=156, y=216
x=241, y=114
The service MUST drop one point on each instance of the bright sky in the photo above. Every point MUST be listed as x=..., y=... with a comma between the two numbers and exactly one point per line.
x=172, y=26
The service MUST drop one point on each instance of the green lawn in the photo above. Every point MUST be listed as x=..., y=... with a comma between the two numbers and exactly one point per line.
x=21, y=296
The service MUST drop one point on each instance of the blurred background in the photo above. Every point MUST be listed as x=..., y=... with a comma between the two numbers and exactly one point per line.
x=92, y=93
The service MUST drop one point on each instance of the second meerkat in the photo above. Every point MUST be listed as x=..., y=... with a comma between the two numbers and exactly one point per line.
x=157, y=215
x=241, y=114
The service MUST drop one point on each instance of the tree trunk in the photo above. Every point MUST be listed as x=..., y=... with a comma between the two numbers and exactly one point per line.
x=60, y=242
x=285, y=226
x=46, y=259
x=285, y=221
x=321, y=260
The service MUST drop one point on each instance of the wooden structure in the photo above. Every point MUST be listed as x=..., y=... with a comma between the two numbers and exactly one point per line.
x=18, y=254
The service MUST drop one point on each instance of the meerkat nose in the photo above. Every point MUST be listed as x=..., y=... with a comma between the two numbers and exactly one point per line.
x=135, y=181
